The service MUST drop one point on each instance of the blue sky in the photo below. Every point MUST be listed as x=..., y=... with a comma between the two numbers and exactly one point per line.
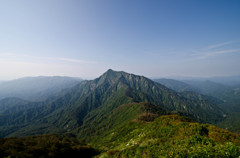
x=84, y=38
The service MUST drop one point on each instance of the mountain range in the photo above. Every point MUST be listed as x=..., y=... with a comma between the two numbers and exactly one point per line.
x=89, y=103
x=111, y=110
x=228, y=94
x=35, y=88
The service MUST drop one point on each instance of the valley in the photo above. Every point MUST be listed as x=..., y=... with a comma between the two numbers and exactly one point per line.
x=122, y=115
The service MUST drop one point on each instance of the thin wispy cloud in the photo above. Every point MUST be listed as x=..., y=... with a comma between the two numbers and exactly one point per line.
x=222, y=52
x=214, y=53
x=219, y=45
x=26, y=57
x=13, y=65
x=19, y=56
x=7, y=54
x=76, y=60
x=70, y=60
x=213, y=50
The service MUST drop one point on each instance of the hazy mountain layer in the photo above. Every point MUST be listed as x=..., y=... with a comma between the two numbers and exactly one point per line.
x=176, y=85
x=228, y=94
x=35, y=88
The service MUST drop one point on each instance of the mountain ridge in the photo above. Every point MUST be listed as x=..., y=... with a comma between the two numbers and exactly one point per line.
x=96, y=99
x=36, y=88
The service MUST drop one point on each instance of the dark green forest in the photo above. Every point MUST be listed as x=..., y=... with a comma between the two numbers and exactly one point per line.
x=49, y=146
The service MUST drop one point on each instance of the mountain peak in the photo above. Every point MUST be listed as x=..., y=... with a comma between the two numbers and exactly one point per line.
x=114, y=76
x=109, y=71
x=109, y=76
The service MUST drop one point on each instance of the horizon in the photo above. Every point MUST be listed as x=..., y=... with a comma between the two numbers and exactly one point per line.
x=155, y=39
x=179, y=78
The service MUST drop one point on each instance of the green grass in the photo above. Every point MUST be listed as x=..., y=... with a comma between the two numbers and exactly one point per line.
x=169, y=136
x=164, y=136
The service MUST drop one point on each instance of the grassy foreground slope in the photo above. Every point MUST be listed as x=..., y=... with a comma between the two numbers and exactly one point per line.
x=168, y=136
x=144, y=136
